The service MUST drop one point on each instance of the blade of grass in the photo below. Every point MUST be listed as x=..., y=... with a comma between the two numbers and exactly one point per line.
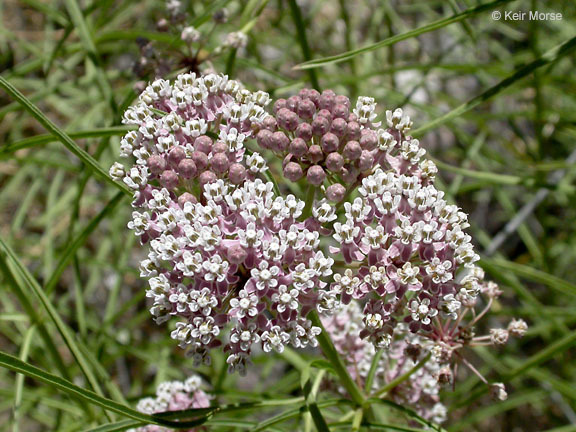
x=303, y=40
x=62, y=136
x=533, y=274
x=46, y=138
x=398, y=38
x=550, y=56
x=19, y=387
x=63, y=329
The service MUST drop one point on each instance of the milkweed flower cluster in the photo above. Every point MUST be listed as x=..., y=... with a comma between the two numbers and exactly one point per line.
x=241, y=266
x=173, y=396
x=420, y=391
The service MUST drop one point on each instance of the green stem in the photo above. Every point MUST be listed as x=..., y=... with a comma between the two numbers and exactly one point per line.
x=372, y=372
x=332, y=355
x=309, y=203
x=397, y=381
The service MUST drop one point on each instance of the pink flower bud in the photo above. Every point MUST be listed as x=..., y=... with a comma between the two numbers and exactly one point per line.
x=279, y=104
x=320, y=125
x=366, y=161
x=169, y=179
x=341, y=111
x=329, y=142
x=219, y=147
x=203, y=143
x=339, y=126
x=327, y=99
x=325, y=113
x=176, y=155
x=187, y=168
x=368, y=139
x=352, y=150
x=335, y=192
x=334, y=162
x=264, y=138
x=306, y=109
x=279, y=141
x=343, y=100
x=315, y=153
x=293, y=171
x=315, y=175
x=219, y=163
x=349, y=174
x=236, y=254
x=292, y=103
x=186, y=197
x=207, y=177
x=156, y=163
x=200, y=159
x=304, y=131
x=237, y=173
x=270, y=123
x=314, y=96
x=353, y=131
x=287, y=119
x=298, y=147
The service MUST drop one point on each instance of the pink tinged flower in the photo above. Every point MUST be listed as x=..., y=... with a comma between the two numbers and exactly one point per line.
x=286, y=298
x=245, y=305
x=421, y=310
x=408, y=275
x=215, y=269
x=265, y=276
x=274, y=339
x=439, y=270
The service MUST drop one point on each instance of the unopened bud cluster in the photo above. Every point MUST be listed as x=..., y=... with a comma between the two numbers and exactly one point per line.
x=323, y=139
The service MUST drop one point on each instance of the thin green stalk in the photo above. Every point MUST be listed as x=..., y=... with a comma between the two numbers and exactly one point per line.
x=372, y=371
x=332, y=355
x=303, y=40
x=62, y=136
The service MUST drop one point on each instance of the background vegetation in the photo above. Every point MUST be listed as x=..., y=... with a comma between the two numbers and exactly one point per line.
x=493, y=102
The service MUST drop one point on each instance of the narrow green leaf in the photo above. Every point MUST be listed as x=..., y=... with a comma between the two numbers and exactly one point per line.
x=47, y=138
x=62, y=136
x=552, y=55
x=80, y=240
x=63, y=329
x=410, y=34
x=118, y=426
x=332, y=355
x=535, y=275
x=303, y=40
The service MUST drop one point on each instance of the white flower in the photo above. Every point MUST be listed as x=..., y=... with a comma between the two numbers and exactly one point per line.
x=245, y=304
x=216, y=269
x=117, y=171
x=440, y=271
x=236, y=40
x=421, y=311
x=285, y=298
x=274, y=339
x=398, y=120
x=265, y=276
x=256, y=163
x=190, y=34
